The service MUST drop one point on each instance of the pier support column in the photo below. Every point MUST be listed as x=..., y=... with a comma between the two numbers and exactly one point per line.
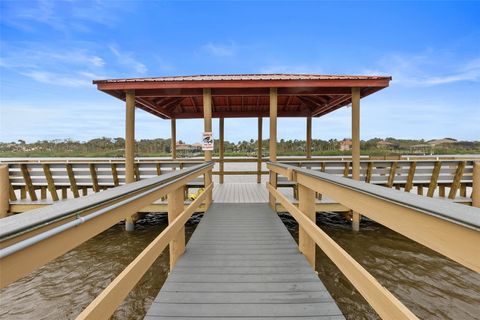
x=130, y=149
x=173, y=140
x=273, y=141
x=221, y=147
x=207, y=117
x=4, y=191
x=356, y=148
x=306, y=204
x=309, y=138
x=175, y=207
x=259, y=150
x=476, y=185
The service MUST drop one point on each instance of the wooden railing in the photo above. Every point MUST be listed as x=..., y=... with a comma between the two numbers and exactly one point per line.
x=30, y=240
x=448, y=228
x=37, y=180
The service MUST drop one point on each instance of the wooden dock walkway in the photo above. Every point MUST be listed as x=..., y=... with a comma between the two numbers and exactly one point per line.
x=241, y=262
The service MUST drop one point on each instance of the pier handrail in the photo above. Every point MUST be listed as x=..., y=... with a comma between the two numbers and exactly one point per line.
x=450, y=229
x=32, y=239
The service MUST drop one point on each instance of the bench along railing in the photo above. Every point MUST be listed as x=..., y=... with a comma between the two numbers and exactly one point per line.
x=455, y=176
x=448, y=228
x=34, y=238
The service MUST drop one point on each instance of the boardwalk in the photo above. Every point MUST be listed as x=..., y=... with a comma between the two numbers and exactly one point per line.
x=241, y=262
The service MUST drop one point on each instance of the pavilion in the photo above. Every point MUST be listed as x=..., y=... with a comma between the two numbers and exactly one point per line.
x=242, y=96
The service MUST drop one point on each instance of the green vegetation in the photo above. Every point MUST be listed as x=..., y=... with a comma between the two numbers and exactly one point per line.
x=107, y=147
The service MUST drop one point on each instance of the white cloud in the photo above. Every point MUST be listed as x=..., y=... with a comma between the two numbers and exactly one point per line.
x=427, y=69
x=127, y=59
x=220, y=49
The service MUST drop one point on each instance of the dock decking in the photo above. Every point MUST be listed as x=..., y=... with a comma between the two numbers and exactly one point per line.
x=241, y=262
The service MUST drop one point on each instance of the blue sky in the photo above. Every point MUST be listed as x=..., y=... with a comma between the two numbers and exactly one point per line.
x=51, y=50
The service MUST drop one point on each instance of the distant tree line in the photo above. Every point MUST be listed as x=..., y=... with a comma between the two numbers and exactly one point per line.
x=109, y=147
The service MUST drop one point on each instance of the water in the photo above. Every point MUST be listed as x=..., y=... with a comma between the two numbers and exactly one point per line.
x=432, y=286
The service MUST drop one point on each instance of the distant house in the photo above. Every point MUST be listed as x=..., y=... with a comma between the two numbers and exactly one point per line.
x=188, y=150
x=421, y=149
x=436, y=142
x=386, y=145
x=346, y=145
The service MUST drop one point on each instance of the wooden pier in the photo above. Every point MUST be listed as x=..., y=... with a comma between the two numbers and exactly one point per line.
x=242, y=262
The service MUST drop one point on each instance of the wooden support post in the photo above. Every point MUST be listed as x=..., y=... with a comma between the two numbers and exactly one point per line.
x=441, y=190
x=207, y=118
x=43, y=193
x=64, y=193
x=175, y=207
x=4, y=191
x=420, y=190
x=221, y=147
x=356, y=148
x=136, y=166
x=50, y=181
x=130, y=148
x=259, y=150
x=173, y=139
x=273, y=141
x=476, y=185
x=309, y=138
x=73, y=182
x=306, y=204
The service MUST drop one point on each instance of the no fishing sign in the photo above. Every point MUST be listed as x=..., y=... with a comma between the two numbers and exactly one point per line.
x=207, y=144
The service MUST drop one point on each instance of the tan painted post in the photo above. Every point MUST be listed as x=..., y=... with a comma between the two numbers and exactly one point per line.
x=309, y=138
x=221, y=147
x=173, y=140
x=130, y=147
x=259, y=150
x=175, y=207
x=306, y=204
x=273, y=141
x=356, y=147
x=207, y=118
x=476, y=185
x=4, y=191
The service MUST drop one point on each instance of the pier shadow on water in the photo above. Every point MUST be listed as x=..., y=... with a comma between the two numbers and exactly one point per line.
x=432, y=286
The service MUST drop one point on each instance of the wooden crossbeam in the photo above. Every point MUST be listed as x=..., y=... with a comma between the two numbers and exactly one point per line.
x=391, y=176
x=28, y=182
x=73, y=182
x=93, y=175
x=50, y=182
x=456, y=180
x=116, y=182
x=434, y=178
x=411, y=174
x=368, y=175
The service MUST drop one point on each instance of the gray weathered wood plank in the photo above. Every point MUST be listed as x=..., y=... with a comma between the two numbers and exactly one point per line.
x=241, y=262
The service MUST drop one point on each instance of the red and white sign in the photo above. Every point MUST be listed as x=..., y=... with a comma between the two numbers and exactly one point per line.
x=207, y=142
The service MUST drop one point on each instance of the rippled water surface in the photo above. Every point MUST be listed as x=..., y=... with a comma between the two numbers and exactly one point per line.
x=432, y=286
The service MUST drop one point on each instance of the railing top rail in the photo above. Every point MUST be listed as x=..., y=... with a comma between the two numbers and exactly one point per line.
x=456, y=213
x=18, y=224
x=307, y=161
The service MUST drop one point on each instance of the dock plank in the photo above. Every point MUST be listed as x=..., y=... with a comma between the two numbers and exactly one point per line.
x=242, y=263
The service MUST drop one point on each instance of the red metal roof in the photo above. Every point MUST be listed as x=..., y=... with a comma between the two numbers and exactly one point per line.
x=245, y=77
x=243, y=95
